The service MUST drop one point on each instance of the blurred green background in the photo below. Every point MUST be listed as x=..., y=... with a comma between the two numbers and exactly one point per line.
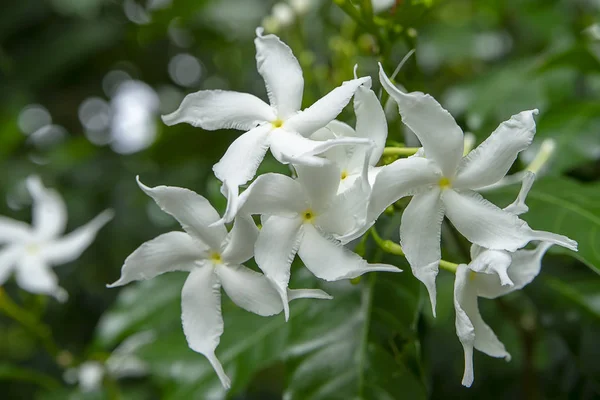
x=82, y=86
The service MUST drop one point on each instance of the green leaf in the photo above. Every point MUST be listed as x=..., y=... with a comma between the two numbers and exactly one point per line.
x=567, y=207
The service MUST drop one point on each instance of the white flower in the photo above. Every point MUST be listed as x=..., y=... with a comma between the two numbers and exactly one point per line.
x=301, y=6
x=213, y=258
x=442, y=182
x=382, y=5
x=370, y=124
x=304, y=216
x=32, y=251
x=280, y=126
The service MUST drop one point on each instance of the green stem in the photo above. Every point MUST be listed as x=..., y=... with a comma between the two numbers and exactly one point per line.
x=400, y=151
x=20, y=374
x=23, y=317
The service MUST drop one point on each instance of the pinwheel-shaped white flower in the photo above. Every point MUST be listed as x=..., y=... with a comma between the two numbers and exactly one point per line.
x=304, y=216
x=370, y=124
x=442, y=182
x=213, y=258
x=281, y=126
x=32, y=251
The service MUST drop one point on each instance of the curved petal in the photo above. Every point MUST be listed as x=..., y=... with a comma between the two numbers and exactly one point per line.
x=282, y=74
x=420, y=236
x=438, y=132
x=35, y=276
x=9, y=256
x=319, y=183
x=13, y=231
x=239, y=244
x=464, y=328
x=173, y=251
x=518, y=206
x=525, y=266
x=493, y=262
x=370, y=121
x=291, y=148
x=273, y=194
x=492, y=159
x=484, y=224
x=201, y=316
x=49, y=209
x=70, y=246
x=194, y=212
x=346, y=212
x=254, y=292
x=221, y=109
x=327, y=259
x=334, y=129
x=275, y=250
x=325, y=109
x=403, y=177
x=242, y=158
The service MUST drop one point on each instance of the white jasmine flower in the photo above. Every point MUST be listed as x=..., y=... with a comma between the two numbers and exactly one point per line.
x=214, y=258
x=370, y=124
x=32, y=251
x=382, y=5
x=280, y=126
x=304, y=216
x=283, y=14
x=442, y=182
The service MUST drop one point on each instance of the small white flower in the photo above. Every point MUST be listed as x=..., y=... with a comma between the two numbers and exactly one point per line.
x=213, y=258
x=301, y=6
x=442, y=182
x=304, y=216
x=32, y=251
x=283, y=14
x=280, y=126
x=382, y=5
x=370, y=124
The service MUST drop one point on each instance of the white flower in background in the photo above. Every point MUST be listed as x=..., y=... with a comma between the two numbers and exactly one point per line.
x=442, y=182
x=304, y=216
x=302, y=6
x=32, y=251
x=370, y=124
x=213, y=258
x=281, y=126
x=491, y=273
x=382, y=5
x=122, y=363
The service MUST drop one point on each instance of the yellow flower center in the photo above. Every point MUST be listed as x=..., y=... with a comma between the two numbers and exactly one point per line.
x=32, y=248
x=472, y=275
x=308, y=216
x=445, y=183
x=278, y=123
x=344, y=175
x=216, y=258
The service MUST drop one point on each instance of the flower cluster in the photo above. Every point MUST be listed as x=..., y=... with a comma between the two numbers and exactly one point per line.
x=337, y=193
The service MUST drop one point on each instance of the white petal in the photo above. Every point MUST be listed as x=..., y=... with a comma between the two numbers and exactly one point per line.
x=420, y=235
x=492, y=159
x=327, y=259
x=493, y=262
x=201, y=316
x=525, y=266
x=319, y=183
x=518, y=206
x=464, y=328
x=346, y=212
x=281, y=72
x=69, y=247
x=437, y=130
x=484, y=224
x=173, y=251
x=325, y=109
x=194, y=212
x=401, y=178
x=273, y=194
x=35, y=276
x=275, y=250
x=220, y=109
x=334, y=129
x=49, y=210
x=291, y=148
x=467, y=311
x=254, y=292
x=13, y=231
x=370, y=121
x=9, y=255
x=239, y=244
